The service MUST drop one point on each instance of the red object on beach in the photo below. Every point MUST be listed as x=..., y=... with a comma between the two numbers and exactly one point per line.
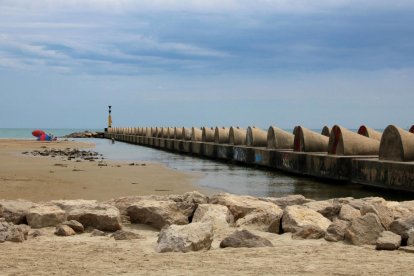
x=38, y=133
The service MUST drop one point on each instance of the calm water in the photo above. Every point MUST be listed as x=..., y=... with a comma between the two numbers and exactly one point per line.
x=224, y=176
x=23, y=133
x=240, y=180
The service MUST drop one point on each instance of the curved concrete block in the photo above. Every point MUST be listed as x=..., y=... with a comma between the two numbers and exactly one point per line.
x=178, y=133
x=221, y=135
x=326, y=131
x=397, y=144
x=237, y=136
x=345, y=142
x=256, y=137
x=207, y=134
x=196, y=134
x=170, y=133
x=158, y=132
x=370, y=132
x=411, y=129
x=279, y=139
x=186, y=133
x=307, y=140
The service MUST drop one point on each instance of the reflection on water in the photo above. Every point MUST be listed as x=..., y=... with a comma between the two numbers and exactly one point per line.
x=240, y=180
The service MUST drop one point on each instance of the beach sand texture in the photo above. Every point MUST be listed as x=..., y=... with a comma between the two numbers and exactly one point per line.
x=39, y=179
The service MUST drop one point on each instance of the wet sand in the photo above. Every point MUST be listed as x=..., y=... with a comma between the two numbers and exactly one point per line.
x=43, y=178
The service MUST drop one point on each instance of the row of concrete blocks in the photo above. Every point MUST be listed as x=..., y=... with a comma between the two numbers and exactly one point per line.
x=363, y=169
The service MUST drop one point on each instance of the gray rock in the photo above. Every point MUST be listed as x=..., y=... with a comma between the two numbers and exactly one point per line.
x=385, y=214
x=75, y=225
x=289, y=200
x=157, y=214
x=15, y=210
x=364, y=230
x=25, y=230
x=388, y=241
x=36, y=233
x=46, y=215
x=401, y=226
x=263, y=220
x=218, y=215
x=336, y=231
x=244, y=238
x=11, y=232
x=327, y=208
x=296, y=218
x=309, y=232
x=185, y=238
x=64, y=230
x=348, y=212
x=97, y=233
x=125, y=235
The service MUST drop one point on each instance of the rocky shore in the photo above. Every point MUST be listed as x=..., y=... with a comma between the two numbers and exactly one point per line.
x=85, y=134
x=194, y=222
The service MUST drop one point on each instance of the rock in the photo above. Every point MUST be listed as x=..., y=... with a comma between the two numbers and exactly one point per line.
x=398, y=210
x=1, y=211
x=75, y=225
x=348, y=212
x=263, y=220
x=11, y=232
x=15, y=210
x=97, y=233
x=218, y=215
x=309, y=232
x=384, y=213
x=64, y=230
x=100, y=216
x=244, y=238
x=289, y=200
x=327, y=208
x=36, y=233
x=25, y=230
x=251, y=212
x=364, y=230
x=410, y=234
x=47, y=215
x=185, y=238
x=388, y=241
x=336, y=231
x=298, y=217
x=401, y=226
x=408, y=205
x=157, y=214
x=125, y=235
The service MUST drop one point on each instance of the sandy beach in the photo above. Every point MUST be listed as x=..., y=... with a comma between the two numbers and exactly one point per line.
x=40, y=179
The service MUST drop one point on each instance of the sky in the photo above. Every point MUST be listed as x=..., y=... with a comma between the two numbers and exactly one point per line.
x=206, y=63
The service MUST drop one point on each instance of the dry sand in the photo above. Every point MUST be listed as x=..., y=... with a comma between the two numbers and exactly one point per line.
x=32, y=178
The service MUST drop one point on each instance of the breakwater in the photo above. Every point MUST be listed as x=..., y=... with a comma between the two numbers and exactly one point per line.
x=365, y=157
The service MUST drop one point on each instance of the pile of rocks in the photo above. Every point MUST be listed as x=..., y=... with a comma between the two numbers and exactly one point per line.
x=85, y=134
x=68, y=153
x=191, y=222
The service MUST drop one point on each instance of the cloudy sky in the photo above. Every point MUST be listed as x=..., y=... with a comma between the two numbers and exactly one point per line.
x=227, y=62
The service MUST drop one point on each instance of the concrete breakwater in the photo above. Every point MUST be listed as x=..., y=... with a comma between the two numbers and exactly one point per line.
x=366, y=157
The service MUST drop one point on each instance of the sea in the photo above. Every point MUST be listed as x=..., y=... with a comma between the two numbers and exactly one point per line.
x=221, y=176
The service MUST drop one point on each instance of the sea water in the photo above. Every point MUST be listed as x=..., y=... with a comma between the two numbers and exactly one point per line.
x=26, y=133
x=222, y=176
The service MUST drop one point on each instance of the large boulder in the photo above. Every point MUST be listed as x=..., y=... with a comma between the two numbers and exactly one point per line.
x=285, y=201
x=385, y=214
x=364, y=230
x=244, y=238
x=309, y=232
x=185, y=238
x=11, y=232
x=410, y=240
x=15, y=210
x=157, y=213
x=218, y=215
x=327, y=208
x=75, y=225
x=336, y=231
x=388, y=241
x=398, y=210
x=45, y=215
x=348, y=212
x=401, y=226
x=295, y=218
x=251, y=212
x=100, y=216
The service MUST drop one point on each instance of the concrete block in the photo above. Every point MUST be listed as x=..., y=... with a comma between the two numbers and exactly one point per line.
x=225, y=152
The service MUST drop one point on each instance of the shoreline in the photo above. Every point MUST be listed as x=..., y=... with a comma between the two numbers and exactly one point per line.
x=45, y=178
